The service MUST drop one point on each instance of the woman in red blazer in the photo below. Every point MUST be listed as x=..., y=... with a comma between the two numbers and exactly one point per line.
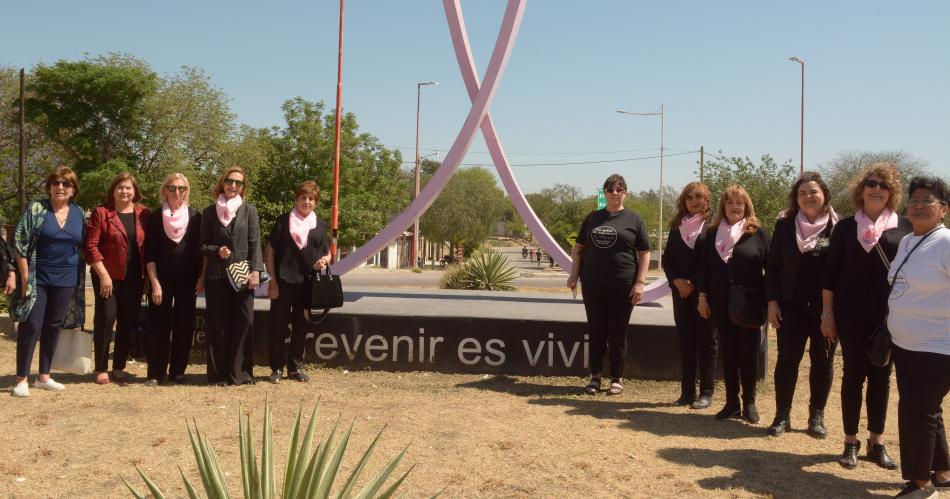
x=115, y=240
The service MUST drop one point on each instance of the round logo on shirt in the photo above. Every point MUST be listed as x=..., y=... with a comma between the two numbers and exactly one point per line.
x=900, y=286
x=604, y=236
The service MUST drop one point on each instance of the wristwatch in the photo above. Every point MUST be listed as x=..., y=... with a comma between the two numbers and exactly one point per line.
x=828, y=315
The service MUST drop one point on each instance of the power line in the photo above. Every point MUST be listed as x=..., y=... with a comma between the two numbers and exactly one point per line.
x=570, y=163
x=559, y=153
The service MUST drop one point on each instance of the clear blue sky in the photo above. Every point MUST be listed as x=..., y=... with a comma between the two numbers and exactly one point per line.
x=877, y=73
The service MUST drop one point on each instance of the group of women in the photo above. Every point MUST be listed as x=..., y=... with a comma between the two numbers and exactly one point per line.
x=817, y=280
x=170, y=256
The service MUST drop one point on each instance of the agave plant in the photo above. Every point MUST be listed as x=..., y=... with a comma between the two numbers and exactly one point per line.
x=486, y=270
x=307, y=475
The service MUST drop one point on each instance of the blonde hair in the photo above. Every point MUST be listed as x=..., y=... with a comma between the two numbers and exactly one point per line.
x=162, y=193
x=886, y=172
x=738, y=193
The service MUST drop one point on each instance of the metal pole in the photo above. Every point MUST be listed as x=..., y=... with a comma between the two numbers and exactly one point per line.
x=702, y=164
x=802, y=141
x=21, y=187
x=415, y=192
x=659, y=252
x=334, y=250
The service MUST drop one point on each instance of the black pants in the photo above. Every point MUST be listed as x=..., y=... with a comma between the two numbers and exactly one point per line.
x=798, y=327
x=608, y=310
x=923, y=380
x=120, y=310
x=171, y=326
x=855, y=333
x=43, y=325
x=230, y=319
x=697, y=345
x=739, y=347
x=287, y=310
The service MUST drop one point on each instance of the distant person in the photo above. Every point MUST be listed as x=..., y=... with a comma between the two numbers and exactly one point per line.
x=296, y=249
x=611, y=258
x=854, y=303
x=793, y=274
x=531, y=254
x=735, y=255
x=681, y=259
x=173, y=262
x=919, y=321
x=115, y=250
x=50, y=293
x=538, y=254
x=550, y=260
x=524, y=252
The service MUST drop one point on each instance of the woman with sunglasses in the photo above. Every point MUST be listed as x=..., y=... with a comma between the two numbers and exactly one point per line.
x=611, y=258
x=173, y=262
x=115, y=250
x=230, y=233
x=688, y=231
x=854, y=303
x=50, y=293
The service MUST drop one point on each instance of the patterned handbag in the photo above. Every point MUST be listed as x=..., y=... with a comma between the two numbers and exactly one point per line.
x=238, y=274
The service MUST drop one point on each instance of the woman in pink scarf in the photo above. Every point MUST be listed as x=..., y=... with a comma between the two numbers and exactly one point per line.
x=854, y=303
x=297, y=247
x=173, y=264
x=793, y=274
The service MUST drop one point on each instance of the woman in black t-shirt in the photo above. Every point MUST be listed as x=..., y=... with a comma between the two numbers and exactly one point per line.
x=611, y=258
x=297, y=246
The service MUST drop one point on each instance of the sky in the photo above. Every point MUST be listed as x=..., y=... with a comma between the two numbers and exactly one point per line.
x=877, y=74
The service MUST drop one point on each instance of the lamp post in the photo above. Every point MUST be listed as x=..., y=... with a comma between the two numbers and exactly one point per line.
x=415, y=224
x=659, y=227
x=802, y=139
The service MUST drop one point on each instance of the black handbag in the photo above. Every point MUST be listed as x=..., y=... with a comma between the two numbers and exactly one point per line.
x=325, y=292
x=746, y=306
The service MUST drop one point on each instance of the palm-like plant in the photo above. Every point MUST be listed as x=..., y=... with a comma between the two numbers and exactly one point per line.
x=486, y=270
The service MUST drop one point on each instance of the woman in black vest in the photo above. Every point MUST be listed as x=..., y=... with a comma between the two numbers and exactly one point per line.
x=297, y=247
x=793, y=275
x=734, y=254
x=230, y=233
x=680, y=261
x=173, y=263
x=854, y=303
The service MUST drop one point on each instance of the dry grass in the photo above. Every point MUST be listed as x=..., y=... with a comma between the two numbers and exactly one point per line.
x=478, y=436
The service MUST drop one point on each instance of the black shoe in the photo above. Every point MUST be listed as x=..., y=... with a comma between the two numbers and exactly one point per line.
x=849, y=458
x=703, y=402
x=816, y=423
x=275, y=377
x=780, y=424
x=913, y=491
x=938, y=484
x=298, y=376
x=731, y=410
x=686, y=399
x=179, y=379
x=750, y=413
x=877, y=454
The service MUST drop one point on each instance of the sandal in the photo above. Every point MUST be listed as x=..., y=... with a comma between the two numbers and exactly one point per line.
x=593, y=387
x=616, y=387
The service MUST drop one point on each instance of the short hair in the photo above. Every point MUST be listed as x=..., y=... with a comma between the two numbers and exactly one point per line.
x=792, y=210
x=886, y=172
x=109, y=201
x=615, y=180
x=933, y=184
x=682, y=211
x=219, y=187
x=738, y=193
x=307, y=187
x=172, y=176
x=64, y=172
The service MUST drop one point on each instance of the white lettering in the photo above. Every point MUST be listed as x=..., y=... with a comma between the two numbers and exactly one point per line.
x=463, y=351
x=326, y=340
x=568, y=361
x=499, y=354
x=351, y=352
x=408, y=341
x=371, y=347
x=432, y=343
x=533, y=358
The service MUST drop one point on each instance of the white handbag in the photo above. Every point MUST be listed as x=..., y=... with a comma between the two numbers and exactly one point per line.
x=73, y=352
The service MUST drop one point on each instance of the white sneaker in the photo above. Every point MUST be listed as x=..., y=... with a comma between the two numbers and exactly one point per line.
x=22, y=389
x=51, y=385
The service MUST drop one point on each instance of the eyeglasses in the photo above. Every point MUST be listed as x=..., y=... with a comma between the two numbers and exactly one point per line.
x=618, y=190
x=929, y=201
x=693, y=197
x=871, y=183
x=234, y=181
x=65, y=183
x=173, y=188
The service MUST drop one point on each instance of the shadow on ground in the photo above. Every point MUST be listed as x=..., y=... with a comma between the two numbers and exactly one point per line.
x=353, y=296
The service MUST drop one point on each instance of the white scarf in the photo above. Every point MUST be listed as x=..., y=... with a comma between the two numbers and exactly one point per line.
x=727, y=236
x=175, y=223
x=301, y=226
x=691, y=227
x=227, y=208
x=869, y=231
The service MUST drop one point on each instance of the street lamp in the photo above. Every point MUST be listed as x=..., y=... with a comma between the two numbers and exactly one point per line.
x=415, y=193
x=802, y=140
x=659, y=230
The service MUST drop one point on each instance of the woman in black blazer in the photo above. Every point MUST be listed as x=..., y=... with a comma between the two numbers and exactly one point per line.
x=297, y=247
x=173, y=264
x=688, y=232
x=793, y=273
x=854, y=302
x=230, y=233
x=734, y=254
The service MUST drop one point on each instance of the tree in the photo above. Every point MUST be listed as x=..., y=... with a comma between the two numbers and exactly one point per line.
x=647, y=205
x=466, y=211
x=767, y=183
x=844, y=168
x=561, y=209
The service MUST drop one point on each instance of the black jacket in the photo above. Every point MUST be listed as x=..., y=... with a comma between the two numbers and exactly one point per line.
x=745, y=268
x=242, y=236
x=679, y=260
x=783, y=265
x=292, y=264
x=182, y=258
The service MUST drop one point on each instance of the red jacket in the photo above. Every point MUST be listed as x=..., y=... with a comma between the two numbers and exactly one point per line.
x=107, y=242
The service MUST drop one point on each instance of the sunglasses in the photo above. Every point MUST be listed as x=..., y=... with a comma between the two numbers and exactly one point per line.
x=65, y=183
x=174, y=188
x=234, y=181
x=871, y=183
x=618, y=190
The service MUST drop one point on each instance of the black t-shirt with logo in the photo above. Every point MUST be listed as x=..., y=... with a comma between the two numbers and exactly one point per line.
x=611, y=242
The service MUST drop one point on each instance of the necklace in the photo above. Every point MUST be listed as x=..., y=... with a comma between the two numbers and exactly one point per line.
x=61, y=216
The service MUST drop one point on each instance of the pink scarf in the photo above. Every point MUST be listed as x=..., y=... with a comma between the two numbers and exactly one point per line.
x=176, y=222
x=301, y=226
x=806, y=233
x=690, y=229
x=227, y=208
x=727, y=236
x=870, y=231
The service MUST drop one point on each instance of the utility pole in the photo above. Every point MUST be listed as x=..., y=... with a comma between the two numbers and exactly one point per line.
x=334, y=248
x=22, y=178
x=702, y=164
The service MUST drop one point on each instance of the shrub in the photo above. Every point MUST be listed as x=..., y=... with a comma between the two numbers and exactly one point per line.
x=485, y=270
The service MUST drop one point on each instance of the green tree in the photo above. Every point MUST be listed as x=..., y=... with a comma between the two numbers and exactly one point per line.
x=561, y=209
x=844, y=168
x=466, y=211
x=767, y=183
x=647, y=205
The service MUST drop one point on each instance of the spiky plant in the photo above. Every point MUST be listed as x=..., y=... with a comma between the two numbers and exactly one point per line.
x=488, y=270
